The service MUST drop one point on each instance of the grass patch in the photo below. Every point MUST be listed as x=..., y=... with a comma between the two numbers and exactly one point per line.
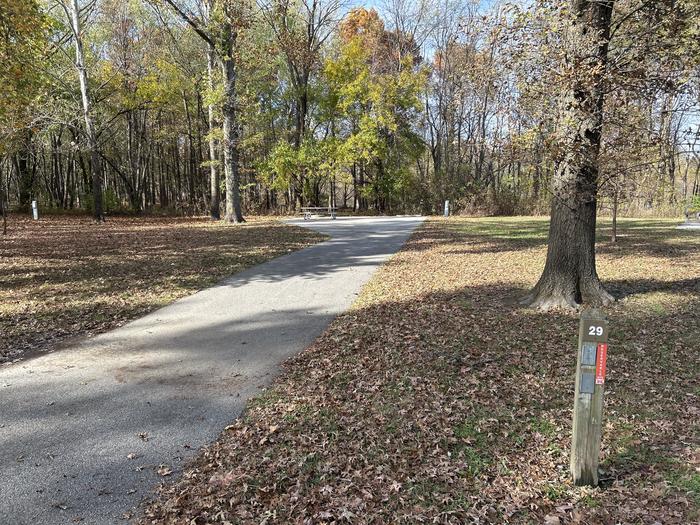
x=555, y=492
x=589, y=501
x=686, y=481
x=543, y=426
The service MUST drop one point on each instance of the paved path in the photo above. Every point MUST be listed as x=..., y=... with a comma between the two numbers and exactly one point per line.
x=83, y=431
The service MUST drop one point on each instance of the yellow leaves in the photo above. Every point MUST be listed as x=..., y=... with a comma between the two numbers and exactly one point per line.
x=22, y=44
x=527, y=138
x=163, y=84
x=372, y=98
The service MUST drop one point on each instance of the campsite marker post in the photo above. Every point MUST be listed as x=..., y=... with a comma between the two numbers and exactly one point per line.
x=588, y=401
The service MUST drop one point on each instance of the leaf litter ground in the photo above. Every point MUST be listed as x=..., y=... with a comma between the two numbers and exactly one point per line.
x=437, y=399
x=65, y=276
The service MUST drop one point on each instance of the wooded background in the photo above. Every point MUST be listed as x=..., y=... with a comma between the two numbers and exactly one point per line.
x=392, y=109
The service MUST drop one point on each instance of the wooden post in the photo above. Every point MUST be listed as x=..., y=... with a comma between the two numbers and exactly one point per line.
x=588, y=402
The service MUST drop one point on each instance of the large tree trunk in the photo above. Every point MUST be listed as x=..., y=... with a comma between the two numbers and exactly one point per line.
x=570, y=276
x=233, y=195
x=96, y=165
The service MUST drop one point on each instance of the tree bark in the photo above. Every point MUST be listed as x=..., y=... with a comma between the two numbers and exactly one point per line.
x=73, y=11
x=25, y=176
x=3, y=199
x=215, y=201
x=231, y=137
x=95, y=161
x=613, y=237
x=570, y=277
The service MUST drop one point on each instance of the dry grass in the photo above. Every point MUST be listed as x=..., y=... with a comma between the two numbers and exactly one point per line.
x=65, y=276
x=438, y=400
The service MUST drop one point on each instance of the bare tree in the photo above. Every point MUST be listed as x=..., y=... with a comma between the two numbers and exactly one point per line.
x=73, y=13
x=415, y=20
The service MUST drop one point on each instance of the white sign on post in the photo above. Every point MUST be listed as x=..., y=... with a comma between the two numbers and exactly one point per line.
x=35, y=211
x=447, y=208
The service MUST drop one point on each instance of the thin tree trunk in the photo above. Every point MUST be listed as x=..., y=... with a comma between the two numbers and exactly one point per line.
x=215, y=201
x=613, y=237
x=24, y=173
x=3, y=199
x=74, y=14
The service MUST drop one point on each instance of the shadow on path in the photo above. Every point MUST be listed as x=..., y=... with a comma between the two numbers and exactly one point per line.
x=87, y=431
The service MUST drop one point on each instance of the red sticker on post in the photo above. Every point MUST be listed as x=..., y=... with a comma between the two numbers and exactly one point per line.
x=601, y=360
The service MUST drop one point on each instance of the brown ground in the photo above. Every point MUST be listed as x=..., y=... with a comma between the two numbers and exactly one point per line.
x=65, y=276
x=438, y=400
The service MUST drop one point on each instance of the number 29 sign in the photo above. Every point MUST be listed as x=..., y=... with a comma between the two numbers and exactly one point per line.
x=594, y=350
x=588, y=401
x=595, y=330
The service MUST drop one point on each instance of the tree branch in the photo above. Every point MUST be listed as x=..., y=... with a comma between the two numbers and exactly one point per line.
x=192, y=23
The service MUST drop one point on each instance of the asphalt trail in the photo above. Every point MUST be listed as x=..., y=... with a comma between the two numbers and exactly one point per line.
x=84, y=431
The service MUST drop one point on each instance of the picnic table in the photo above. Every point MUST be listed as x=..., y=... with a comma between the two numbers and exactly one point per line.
x=308, y=211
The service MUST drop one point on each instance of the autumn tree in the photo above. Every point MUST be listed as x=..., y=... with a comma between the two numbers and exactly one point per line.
x=301, y=29
x=465, y=95
x=22, y=34
x=214, y=176
x=570, y=275
x=377, y=96
x=331, y=111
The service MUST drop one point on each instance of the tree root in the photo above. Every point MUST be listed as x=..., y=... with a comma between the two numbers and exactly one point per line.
x=547, y=302
x=546, y=296
x=232, y=219
x=595, y=294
